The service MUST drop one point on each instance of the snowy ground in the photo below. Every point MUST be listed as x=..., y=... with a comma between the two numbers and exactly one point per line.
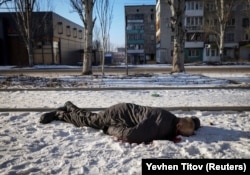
x=28, y=147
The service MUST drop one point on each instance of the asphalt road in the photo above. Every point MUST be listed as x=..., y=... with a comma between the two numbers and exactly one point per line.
x=132, y=70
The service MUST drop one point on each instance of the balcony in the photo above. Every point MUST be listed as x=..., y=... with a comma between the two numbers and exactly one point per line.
x=135, y=31
x=141, y=41
x=135, y=21
x=135, y=51
x=188, y=28
x=194, y=44
x=194, y=12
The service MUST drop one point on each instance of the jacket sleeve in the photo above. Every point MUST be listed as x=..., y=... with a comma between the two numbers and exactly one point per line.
x=146, y=131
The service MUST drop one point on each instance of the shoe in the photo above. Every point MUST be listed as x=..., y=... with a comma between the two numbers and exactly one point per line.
x=70, y=106
x=48, y=117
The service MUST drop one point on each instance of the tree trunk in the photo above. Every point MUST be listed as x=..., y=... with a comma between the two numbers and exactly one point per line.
x=177, y=20
x=221, y=45
x=87, y=56
x=178, y=58
x=28, y=31
x=30, y=54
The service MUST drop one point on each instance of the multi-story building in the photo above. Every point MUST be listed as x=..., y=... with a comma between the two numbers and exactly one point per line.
x=140, y=33
x=194, y=17
x=244, y=32
x=200, y=43
x=164, y=35
x=56, y=41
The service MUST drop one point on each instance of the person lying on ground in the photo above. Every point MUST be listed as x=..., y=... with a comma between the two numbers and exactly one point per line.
x=128, y=122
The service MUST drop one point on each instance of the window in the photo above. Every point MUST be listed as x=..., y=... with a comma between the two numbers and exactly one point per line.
x=74, y=32
x=211, y=22
x=194, y=36
x=152, y=17
x=245, y=22
x=80, y=34
x=193, y=52
x=207, y=52
x=215, y=22
x=210, y=6
x=211, y=52
x=211, y=38
x=194, y=22
x=68, y=32
x=172, y=38
x=135, y=16
x=60, y=28
x=231, y=22
x=152, y=37
x=229, y=37
x=135, y=37
x=246, y=37
x=194, y=5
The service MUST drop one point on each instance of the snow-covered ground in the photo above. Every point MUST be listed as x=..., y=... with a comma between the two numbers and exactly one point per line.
x=28, y=147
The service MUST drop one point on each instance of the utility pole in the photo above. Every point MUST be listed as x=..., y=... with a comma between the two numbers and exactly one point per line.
x=126, y=49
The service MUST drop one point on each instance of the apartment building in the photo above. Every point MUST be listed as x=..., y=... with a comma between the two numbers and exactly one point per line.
x=58, y=40
x=164, y=36
x=200, y=43
x=140, y=34
x=193, y=22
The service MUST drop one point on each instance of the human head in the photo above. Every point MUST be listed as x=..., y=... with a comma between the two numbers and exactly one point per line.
x=186, y=126
x=197, y=123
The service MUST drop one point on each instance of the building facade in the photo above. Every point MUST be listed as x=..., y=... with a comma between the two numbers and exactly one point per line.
x=164, y=36
x=200, y=43
x=56, y=40
x=194, y=44
x=140, y=34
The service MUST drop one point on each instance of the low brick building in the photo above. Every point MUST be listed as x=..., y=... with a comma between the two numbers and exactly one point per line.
x=58, y=40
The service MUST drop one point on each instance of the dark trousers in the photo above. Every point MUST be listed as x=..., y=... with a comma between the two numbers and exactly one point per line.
x=80, y=117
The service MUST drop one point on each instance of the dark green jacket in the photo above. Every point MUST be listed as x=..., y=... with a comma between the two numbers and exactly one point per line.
x=134, y=123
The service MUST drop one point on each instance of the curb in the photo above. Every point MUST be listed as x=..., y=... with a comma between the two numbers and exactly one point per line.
x=127, y=88
x=182, y=108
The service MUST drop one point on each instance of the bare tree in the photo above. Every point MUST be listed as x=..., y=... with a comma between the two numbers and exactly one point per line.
x=23, y=17
x=3, y=1
x=96, y=35
x=220, y=13
x=28, y=24
x=84, y=8
x=104, y=10
x=177, y=8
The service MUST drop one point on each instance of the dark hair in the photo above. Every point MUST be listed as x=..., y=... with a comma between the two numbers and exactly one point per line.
x=197, y=123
